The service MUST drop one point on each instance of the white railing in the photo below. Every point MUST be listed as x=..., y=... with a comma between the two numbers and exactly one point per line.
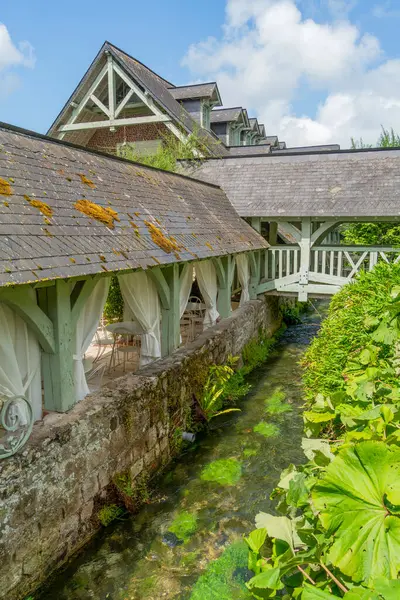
x=281, y=261
x=346, y=261
x=329, y=268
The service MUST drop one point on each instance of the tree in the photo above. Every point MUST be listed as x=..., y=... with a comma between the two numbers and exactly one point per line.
x=385, y=234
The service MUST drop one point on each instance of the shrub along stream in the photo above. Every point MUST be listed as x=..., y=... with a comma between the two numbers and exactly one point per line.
x=339, y=536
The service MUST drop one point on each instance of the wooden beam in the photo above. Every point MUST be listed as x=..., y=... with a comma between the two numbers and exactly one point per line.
x=255, y=222
x=79, y=297
x=289, y=231
x=322, y=231
x=86, y=97
x=103, y=108
x=115, y=123
x=123, y=102
x=255, y=273
x=157, y=276
x=170, y=317
x=305, y=256
x=20, y=301
x=111, y=86
x=58, y=368
x=273, y=233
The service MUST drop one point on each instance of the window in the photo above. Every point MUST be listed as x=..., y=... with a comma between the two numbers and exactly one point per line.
x=205, y=115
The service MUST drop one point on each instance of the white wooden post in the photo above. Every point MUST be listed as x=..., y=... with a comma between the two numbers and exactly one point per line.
x=305, y=255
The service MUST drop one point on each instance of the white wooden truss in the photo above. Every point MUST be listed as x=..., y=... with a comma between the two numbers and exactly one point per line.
x=112, y=112
x=307, y=268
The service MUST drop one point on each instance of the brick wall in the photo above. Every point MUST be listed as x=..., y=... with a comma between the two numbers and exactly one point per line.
x=106, y=140
x=50, y=493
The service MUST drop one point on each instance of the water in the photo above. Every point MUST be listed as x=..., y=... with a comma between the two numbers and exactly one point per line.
x=138, y=558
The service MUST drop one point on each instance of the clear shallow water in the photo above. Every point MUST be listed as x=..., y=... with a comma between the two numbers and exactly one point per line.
x=137, y=558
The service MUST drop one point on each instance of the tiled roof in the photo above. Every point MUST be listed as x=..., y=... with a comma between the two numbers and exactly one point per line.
x=330, y=184
x=225, y=115
x=201, y=90
x=43, y=234
x=156, y=86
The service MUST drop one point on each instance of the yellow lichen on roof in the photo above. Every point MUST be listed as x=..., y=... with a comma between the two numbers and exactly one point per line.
x=5, y=188
x=162, y=241
x=95, y=211
x=87, y=181
x=44, y=208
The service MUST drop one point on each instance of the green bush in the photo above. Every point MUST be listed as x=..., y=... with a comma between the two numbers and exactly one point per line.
x=344, y=331
x=114, y=306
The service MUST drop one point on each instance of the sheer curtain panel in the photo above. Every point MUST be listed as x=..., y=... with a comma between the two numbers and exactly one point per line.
x=242, y=263
x=207, y=279
x=142, y=303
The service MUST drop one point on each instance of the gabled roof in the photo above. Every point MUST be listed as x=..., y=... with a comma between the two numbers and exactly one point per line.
x=159, y=217
x=148, y=80
x=262, y=129
x=254, y=124
x=347, y=185
x=226, y=115
x=200, y=90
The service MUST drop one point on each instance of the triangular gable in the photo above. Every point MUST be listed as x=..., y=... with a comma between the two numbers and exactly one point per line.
x=102, y=100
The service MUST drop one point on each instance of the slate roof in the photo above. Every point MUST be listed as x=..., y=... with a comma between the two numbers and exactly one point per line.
x=254, y=124
x=68, y=243
x=225, y=115
x=307, y=149
x=200, y=90
x=348, y=184
x=249, y=150
x=156, y=86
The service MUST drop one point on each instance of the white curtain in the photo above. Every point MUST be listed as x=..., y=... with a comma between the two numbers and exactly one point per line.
x=186, y=281
x=19, y=366
x=85, y=329
x=243, y=269
x=207, y=279
x=142, y=302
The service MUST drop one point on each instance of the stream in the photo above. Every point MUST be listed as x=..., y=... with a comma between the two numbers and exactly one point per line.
x=187, y=543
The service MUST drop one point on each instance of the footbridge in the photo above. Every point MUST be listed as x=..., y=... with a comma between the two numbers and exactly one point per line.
x=297, y=200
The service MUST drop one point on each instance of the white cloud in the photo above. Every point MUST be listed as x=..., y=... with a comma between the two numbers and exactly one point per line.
x=268, y=50
x=385, y=10
x=11, y=57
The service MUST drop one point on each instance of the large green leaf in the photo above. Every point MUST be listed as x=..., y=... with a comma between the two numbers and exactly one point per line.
x=358, y=499
x=314, y=593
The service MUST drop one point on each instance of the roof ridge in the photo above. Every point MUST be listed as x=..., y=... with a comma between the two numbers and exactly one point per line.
x=47, y=138
x=140, y=62
x=176, y=87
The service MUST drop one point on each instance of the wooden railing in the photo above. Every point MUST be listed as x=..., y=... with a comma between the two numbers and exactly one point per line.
x=330, y=266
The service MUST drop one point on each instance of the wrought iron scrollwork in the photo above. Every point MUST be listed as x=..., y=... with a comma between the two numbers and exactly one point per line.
x=14, y=431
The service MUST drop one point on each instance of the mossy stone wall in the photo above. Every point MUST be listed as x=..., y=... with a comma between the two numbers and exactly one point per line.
x=51, y=493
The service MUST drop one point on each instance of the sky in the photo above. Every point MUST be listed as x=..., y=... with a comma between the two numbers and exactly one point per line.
x=313, y=71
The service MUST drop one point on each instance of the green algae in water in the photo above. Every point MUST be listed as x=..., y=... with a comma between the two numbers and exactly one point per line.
x=225, y=577
x=275, y=404
x=266, y=429
x=225, y=472
x=248, y=452
x=184, y=525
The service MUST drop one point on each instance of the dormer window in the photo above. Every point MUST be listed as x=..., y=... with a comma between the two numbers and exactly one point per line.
x=205, y=115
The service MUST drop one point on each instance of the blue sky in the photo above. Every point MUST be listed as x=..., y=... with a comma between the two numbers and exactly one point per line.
x=311, y=69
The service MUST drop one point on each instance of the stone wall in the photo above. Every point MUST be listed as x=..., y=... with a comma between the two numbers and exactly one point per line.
x=50, y=493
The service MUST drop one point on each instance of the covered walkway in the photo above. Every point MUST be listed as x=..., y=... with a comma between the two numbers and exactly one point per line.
x=296, y=200
x=70, y=219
